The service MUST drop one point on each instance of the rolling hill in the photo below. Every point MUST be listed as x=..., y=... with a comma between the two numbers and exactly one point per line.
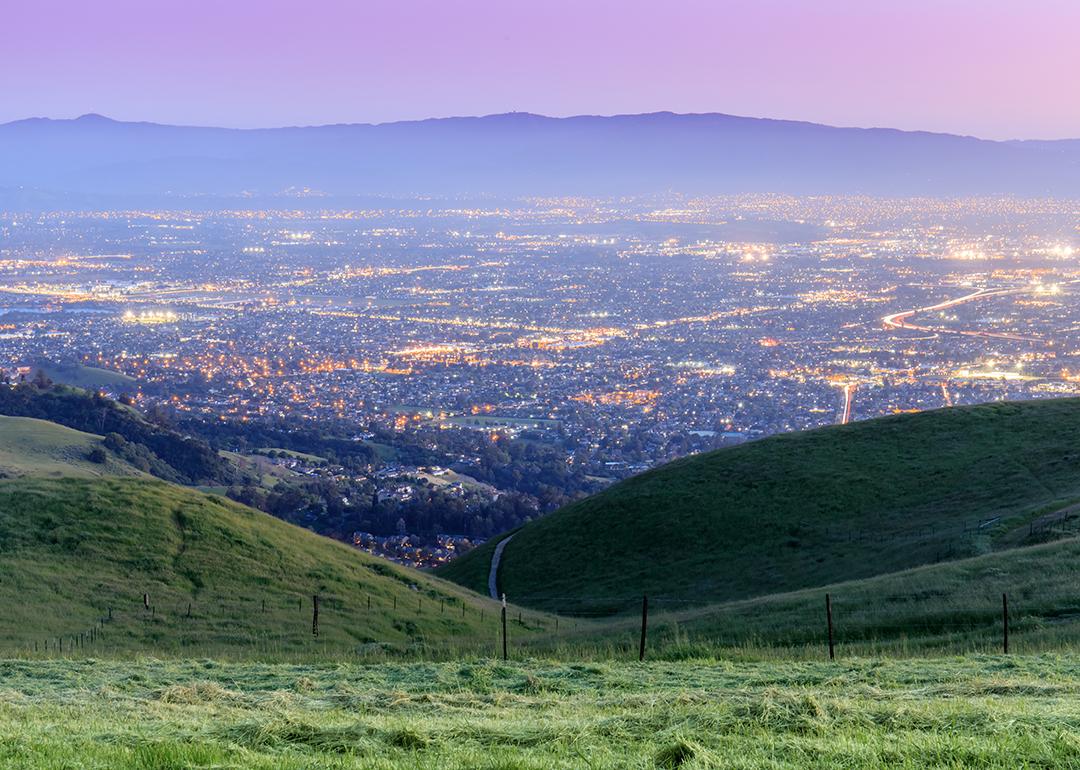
x=951, y=607
x=149, y=446
x=32, y=447
x=801, y=510
x=221, y=579
x=82, y=542
x=88, y=377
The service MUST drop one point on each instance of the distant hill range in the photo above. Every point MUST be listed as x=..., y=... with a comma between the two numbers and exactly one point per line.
x=96, y=160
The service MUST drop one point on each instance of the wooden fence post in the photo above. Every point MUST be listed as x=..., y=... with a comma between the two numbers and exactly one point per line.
x=644, y=626
x=505, y=650
x=315, y=615
x=1005, y=622
x=828, y=620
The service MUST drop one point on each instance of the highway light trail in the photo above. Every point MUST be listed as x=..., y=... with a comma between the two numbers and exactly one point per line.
x=901, y=320
x=849, y=397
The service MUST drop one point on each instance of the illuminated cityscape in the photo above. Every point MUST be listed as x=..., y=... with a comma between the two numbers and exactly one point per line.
x=615, y=334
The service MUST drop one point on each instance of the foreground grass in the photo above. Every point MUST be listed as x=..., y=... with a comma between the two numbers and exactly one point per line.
x=976, y=712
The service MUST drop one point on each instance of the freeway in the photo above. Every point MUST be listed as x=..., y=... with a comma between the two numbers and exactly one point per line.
x=849, y=396
x=902, y=320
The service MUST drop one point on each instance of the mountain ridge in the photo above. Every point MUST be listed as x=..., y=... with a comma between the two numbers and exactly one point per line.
x=521, y=154
x=100, y=118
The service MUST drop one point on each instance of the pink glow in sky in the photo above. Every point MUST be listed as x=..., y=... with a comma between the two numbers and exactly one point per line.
x=992, y=68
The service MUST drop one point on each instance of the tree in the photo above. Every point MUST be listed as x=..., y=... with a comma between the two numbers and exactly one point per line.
x=41, y=380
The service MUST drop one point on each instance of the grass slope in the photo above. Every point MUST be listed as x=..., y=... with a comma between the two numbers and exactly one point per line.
x=985, y=712
x=954, y=607
x=801, y=510
x=31, y=447
x=90, y=377
x=72, y=549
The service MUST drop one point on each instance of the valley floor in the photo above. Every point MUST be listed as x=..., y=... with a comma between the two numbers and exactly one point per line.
x=978, y=711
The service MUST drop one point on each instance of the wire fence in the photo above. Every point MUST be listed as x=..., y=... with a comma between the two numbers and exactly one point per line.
x=622, y=625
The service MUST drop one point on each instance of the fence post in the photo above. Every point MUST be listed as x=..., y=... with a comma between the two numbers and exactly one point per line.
x=1005, y=622
x=505, y=651
x=828, y=620
x=644, y=626
x=146, y=601
x=315, y=615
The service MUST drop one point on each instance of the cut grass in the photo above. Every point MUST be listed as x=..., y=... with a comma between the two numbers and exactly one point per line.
x=800, y=510
x=984, y=712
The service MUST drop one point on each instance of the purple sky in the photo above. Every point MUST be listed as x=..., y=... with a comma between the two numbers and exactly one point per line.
x=993, y=68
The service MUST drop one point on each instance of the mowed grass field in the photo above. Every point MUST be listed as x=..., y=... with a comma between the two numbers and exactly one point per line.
x=799, y=510
x=986, y=712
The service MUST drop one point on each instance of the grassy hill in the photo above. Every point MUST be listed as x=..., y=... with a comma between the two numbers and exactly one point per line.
x=801, y=510
x=953, y=607
x=90, y=377
x=30, y=447
x=221, y=579
x=154, y=448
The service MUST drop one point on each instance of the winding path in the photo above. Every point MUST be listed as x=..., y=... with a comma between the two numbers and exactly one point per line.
x=493, y=575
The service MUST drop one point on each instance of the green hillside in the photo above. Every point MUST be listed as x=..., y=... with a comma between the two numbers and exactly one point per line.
x=91, y=377
x=951, y=607
x=30, y=447
x=221, y=579
x=801, y=510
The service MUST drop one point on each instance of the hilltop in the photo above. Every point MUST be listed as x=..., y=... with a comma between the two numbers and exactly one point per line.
x=31, y=447
x=801, y=510
x=93, y=159
x=151, y=447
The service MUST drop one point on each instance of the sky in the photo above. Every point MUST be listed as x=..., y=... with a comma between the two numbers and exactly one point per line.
x=992, y=68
